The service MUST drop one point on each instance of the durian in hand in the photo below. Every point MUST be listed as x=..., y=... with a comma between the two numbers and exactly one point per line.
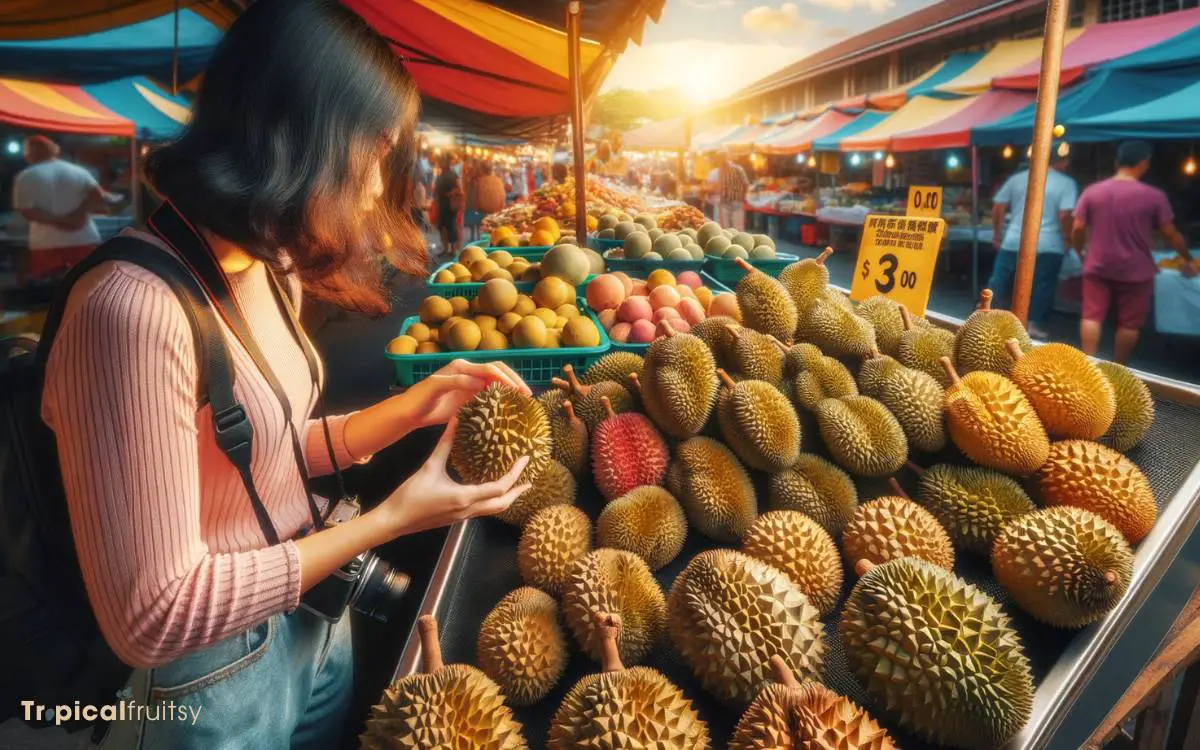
x=589, y=399
x=495, y=428
x=971, y=503
x=1065, y=566
x=754, y=355
x=892, y=527
x=730, y=613
x=646, y=521
x=713, y=488
x=555, y=486
x=627, y=452
x=446, y=706
x=521, y=645
x=614, y=366
x=806, y=279
x=625, y=708
x=816, y=488
x=620, y=582
x=1088, y=475
x=982, y=341
x=551, y=541
x=678, y=386
x=568, y=437
x=922, y=347
x=765, y=304
x=992, y=422
x=789, y=714
x=862, y=435
x=798, y=546
x=938, y=653
x=1135, y=407
x=913, y=397
x=758, y=423
x=1071, y=395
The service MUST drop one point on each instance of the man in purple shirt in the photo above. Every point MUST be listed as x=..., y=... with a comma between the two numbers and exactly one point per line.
x=1122, y=214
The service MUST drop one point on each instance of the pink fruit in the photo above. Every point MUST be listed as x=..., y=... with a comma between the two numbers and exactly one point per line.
x=691, y=310
x=639, y=289
x=634, y=308
x=666, y=313
x=642, y=332
x=679, y=326
x=625, y=281
x=607, y=318
x=685, y=291
x=619, y=332
x=664, y=296
x=689, y=278
x=605, y=292
x=725, y=303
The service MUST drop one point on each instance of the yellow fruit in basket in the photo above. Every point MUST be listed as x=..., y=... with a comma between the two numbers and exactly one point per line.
x=502, y=258
x=559, y=322
x=473, y=306
x=507, y=242
x=550, y=225
x=553, y=338
x=500, y=233
x=497, y=273
x=444, y=328
x=434, y=310
x=704, y=296
x=497, y=297
x=462, y=274
x=525, y=305
x=493, y=340
x=530, y=333
x=481, y=268
x=507, y=322
x=568, y=310
x=463, y=336
x=485, y=322
x=402, y=345
x=547, y=315
x=532, y=273
x=434, y=336
x=592, y=223
x=580, y=332
x=553, y=292
x=428, y=347
x=660, y=277
x=518, y=267
x=470, y=255
x=541, y=238
x=460, y=305
x=418, y=331
x=444, y=276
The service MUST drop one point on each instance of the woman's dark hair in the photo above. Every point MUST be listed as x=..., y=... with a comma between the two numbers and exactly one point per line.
x=299, y=103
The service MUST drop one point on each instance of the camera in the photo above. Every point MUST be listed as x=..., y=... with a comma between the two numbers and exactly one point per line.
x=367, y=583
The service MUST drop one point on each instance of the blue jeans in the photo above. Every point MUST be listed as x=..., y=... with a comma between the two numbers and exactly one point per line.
x=1045, y=283
x=284, y=683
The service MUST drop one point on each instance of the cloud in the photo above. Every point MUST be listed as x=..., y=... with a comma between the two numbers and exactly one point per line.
x=838, y=32
x=767, y=20
x=708, y=4
x=702, y=69
x=845, y=6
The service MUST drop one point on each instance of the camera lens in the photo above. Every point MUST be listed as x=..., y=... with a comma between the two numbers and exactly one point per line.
x=380, y=588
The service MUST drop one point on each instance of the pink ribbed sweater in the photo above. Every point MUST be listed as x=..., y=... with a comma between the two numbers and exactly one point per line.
x=172, y=555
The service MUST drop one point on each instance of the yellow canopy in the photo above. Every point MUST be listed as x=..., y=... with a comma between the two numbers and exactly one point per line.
x=1003, y=59
x=25, y=20
x=920, y=112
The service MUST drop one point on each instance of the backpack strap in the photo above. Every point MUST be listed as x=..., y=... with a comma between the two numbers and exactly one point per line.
x=232, y=429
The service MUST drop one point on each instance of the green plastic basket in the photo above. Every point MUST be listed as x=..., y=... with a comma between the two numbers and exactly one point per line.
x=468, y=289
x=600, y=244
x=730, y=273
x=642, y=266
x=710, y=282
x=535, y=366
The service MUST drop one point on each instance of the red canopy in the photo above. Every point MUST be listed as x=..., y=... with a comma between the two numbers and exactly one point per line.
x=59, y=108
x=955, y=130
x=799, y=136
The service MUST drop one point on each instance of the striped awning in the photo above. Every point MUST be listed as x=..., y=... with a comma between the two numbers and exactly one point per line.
x=916, y=114
x=58, y=108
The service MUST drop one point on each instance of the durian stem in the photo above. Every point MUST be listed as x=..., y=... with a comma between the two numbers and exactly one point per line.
x=897, y=488
x=744, y=264
x=906, y=317
x=608, y=406
x=985, y=299
x=824, y=256
x=915, y=469
x=668, y=329
x=1110, y=578
x=577, y=388
x=724, y=376
x=862, y=567
x=610, y=629
x=1014, y=349
x=785, y=348
x=783, y=673
x=951, y=373
x=874, y=352
x=734, y=330
x=569, y=408
x=636, y=383
x=431, y=648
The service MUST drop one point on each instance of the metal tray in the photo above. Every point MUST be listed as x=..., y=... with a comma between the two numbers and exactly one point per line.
x=1080, y=675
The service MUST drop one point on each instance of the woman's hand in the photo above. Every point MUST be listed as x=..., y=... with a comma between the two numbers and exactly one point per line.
x=430, y=498
x=436, y=399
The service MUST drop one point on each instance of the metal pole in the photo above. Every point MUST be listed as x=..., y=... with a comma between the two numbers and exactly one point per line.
x=577, y=124
x=974, y=222
x=1039, y=162
x=175, y=55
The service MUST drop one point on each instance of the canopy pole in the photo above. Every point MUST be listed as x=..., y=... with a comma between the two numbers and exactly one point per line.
x=974, y=222
x=679, y=174
x=577, y=125
x=1057, y=12
x=175, y=55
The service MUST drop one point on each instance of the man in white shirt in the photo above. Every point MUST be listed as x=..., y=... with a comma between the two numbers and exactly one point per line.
x=1061, y=194
x=56, y=197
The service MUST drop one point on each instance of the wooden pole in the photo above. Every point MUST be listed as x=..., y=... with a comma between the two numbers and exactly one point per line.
x=135, y=182
x=974, y=222
x=1057, y=12
x=578, y=127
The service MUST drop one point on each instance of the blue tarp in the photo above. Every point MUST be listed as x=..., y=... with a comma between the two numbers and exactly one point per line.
x=144, y=49
x=1101, y=94
x=953, y=67
x=158, y=115
x=1176, y=115
x=863, y=122
x=1178, y=51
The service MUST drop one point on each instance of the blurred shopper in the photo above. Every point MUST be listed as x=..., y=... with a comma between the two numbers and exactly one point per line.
x=57, y=198
x=1009, y=201
x=472, y=216
x=449, y=201
x=558, y=173
x=731, y=186
x=490, y=189
x=531, y=183
x=1114, y=221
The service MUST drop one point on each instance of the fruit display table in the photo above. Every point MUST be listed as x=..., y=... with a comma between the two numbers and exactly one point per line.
x=1080, y=675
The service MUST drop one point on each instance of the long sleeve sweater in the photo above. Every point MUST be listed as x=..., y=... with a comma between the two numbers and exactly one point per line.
x=172, y=555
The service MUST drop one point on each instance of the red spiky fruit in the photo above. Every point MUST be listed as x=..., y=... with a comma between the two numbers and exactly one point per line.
x=627, y=452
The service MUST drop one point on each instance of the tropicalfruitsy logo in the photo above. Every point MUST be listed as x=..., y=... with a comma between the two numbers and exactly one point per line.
x=125, y=708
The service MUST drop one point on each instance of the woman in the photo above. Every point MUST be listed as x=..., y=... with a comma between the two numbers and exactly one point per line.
x=184, y=585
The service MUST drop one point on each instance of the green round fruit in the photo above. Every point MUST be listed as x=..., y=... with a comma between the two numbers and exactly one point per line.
x=762, y=239
x=762, y=252
x=707, y=232
x=654, y=234
x=637, y=245
x=679, y=253
x=646, y=220
x=666, y=243
x=744, y=240
x=717, y=246
x=696, y=251
x=652, y=256
x=736, y=251
x=688, y=232
x=607, y=234
x=624, y=229
x=607, y=221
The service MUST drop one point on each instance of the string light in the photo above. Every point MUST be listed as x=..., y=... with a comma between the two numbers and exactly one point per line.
x=855, y=159
x=1189, y=166
x=800, y=158
x=890, y=161
x=952, y=161
x=878, y=156
x=1063, y=150
x=1007, y=152
x=13, y=148
x=1059, y=131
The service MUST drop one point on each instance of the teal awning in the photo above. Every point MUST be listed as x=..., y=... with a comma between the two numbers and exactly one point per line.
x=953, y=67
x=863, y=122
x=1176, y=115
x=157, y=115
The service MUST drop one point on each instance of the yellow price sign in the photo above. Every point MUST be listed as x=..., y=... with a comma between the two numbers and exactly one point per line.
x=897, y=258
x=924, y=201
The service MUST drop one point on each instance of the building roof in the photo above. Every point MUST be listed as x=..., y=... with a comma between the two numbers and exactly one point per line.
x=935, y=20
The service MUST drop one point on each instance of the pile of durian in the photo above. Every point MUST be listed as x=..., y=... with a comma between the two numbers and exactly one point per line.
x=1013, y=457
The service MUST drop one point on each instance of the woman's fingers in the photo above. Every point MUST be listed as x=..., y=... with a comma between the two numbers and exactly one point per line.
x=441, y=451
x=492, y=506
x=520, y=383
x=493, y=371
x=499, y=486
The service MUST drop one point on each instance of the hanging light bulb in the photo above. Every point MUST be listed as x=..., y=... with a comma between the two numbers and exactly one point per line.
x=800, y=158
x=1060, y=131
x=855, y=159
x=952, y=161
x=878, y=156
x=890, y=161
x=1007, y=152
x=13, y=147
x=1189, y=166
x=1063, y=150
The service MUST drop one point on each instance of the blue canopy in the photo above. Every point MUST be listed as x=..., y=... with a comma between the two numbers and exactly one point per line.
x=1178, y=51
x=865, y=121
x=953, y=67
x=157, y=115
x=1103, y=93
x=1176, y=115
x=144, y=48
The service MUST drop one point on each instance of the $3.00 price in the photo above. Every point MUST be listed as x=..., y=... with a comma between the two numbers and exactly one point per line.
x=889, y=274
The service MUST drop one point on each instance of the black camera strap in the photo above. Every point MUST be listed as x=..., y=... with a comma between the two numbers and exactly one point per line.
x=234, y=433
